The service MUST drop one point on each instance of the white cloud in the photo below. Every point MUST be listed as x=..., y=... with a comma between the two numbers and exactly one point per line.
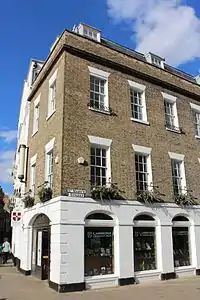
x=165, y=27
x=8, y=135
x=6, y=162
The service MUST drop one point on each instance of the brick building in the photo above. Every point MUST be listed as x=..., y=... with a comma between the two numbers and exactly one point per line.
x=108, y=122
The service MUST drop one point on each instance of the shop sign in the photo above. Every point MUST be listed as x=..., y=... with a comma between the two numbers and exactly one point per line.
x=76, y=193
x=99, y=234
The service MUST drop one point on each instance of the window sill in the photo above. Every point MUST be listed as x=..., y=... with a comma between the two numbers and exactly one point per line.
x=140, y=121
x=197, y=137
x=147, y=272
x=50, y=115
x=173, y=130
x=99, y=110
x=100, y=278
x=184, y=268
x=34, y=133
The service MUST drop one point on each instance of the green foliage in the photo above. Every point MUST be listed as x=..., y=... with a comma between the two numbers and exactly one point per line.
x=28, y=201
x=111, y=192
x=149, y=197
x=185, y=199
x=45, y=194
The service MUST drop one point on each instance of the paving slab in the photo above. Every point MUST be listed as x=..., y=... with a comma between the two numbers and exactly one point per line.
x=15, y=286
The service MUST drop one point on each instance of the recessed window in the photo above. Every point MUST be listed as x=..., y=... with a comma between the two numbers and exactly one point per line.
x=156, y=61
x=36, y=115
x=178, y=173
x=49, y=168
x=98, y=166
x=176, y=176
x=196, y=115
x=138, y=103
x=52, y=94
x=144, y=240
x=98, y=90
x=52, y=97
x=171, y=116
x=181, y=241
x=197, y=123
x=97, y=93
x=32, y=179
x=143, y=170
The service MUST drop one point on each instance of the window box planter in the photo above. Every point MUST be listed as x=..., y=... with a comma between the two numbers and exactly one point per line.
x=45, y=194
x=149, y=197
x=28, y=201
x=185, y=199
x=111, y=192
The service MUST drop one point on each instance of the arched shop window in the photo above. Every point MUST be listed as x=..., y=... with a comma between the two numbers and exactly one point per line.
x=99, y=245
x=144, y=240
x=181, y=244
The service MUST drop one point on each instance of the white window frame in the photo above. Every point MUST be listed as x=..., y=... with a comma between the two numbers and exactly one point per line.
x=146, y=151
x=52, y=83
x=33, y=174
x=106, y=144
x=171, y=99
x=36, y=114
x=48, y=150
x=137, y=87
x=196, y=109
x=102, y=75
x=180, y=158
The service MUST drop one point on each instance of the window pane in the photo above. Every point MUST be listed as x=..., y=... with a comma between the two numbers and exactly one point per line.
x=141, y=172
x=144, y=248
x=181, y=246
x=99, y=251
x=98, y=165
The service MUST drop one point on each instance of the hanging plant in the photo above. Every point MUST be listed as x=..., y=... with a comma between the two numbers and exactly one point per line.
x=185, y=199
x=149, y=197
x=28, y=201
x=111, y=192
x=45, y=194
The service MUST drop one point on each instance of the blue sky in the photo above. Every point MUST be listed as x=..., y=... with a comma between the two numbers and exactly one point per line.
x=170, y=28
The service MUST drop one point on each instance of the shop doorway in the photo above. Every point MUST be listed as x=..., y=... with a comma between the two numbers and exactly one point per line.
x=41, y=247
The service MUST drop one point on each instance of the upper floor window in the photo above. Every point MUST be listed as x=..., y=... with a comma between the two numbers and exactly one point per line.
x=171, y=116
x=143, y=170
x=196, y=114
x=178, y=173
x=33, y=175
x=100, y=171
x=49, y=168
x=138, y=103
x=98, y=165
x=98, y=90
x=49, y=158
x=36, y=115
x=52, y=95
x=155, y=59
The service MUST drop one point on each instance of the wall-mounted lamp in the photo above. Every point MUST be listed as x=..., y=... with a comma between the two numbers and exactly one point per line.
x=22, y=161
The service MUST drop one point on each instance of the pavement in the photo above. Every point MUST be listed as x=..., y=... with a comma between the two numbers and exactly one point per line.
x=15, y=286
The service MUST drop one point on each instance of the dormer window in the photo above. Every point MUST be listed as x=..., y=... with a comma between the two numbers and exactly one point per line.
x=155, y=60
x=88, y=31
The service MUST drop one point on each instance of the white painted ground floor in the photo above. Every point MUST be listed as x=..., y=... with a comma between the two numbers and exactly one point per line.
x=79, y=243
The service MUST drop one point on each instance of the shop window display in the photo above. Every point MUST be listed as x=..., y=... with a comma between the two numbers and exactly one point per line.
x=98, y=251
x=181, y=246
x=144, y=248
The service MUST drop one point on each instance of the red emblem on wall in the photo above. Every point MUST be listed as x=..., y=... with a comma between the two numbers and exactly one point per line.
x=16, y=216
